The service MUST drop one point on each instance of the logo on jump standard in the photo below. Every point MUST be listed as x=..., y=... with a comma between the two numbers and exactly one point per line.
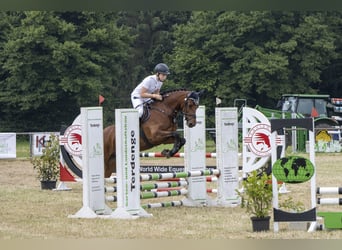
x=72, y=140
x=258, y=140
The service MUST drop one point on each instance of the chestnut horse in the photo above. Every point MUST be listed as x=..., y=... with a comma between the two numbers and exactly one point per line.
x=160, y=127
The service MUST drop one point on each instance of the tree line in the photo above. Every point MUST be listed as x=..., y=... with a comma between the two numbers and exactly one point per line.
x=52, y=63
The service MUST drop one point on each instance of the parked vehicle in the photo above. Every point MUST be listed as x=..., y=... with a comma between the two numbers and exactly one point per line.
x=327, y=113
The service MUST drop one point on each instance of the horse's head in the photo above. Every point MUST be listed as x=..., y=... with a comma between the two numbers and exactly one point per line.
x=191, y=104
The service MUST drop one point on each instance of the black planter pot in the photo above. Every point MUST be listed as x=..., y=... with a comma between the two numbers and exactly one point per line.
x=48, y=184
x=261, y=224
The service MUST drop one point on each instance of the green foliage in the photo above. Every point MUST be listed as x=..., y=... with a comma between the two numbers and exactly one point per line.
x=53, y=63
x=255, y=55
x=47, y=165
x=152, y=32
x=291, y=205
x=256, y=195
x=23, y=146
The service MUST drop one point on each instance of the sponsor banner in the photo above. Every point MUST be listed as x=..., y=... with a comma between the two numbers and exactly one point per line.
x=256, y=131
x=71, y=146
x=165, y=169
x=227, y=155
x=195, y=149
x=127, y=139
x=72, y=140
x=92, y=148
x=8, y=145
x=39, y=141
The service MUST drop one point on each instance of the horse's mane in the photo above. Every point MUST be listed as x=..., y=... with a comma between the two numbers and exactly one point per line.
x=172, y=91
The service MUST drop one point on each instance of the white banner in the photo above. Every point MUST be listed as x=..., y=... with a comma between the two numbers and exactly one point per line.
x=8, y=145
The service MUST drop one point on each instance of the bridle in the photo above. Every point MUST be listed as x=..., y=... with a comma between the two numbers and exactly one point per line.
x=193, y=97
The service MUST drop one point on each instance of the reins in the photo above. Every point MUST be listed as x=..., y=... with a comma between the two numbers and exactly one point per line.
x=183, y=111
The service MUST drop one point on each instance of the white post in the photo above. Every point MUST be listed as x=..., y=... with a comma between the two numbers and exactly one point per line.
x=93, y=164
x=278, y=125
x=227, y=159
x=313, y=188
x=128, y=165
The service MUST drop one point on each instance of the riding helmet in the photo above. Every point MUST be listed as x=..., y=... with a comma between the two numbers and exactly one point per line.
x=162, y=68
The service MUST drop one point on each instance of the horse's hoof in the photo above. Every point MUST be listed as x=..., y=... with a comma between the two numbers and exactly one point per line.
x=166, y=153
x=171, y=154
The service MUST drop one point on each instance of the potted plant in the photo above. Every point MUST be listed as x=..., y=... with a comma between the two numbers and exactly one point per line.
x=256, y=197
x=47, y=165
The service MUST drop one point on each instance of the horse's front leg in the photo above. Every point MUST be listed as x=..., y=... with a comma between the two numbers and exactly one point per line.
x=178, y=144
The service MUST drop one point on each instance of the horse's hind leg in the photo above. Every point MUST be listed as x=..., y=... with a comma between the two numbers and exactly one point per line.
x=178, y=144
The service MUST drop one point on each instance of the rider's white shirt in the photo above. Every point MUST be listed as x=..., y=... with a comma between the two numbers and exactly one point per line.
x=150, y=83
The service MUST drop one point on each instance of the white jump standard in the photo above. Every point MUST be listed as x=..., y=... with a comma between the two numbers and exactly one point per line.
x=128, y=177
x=93, y=165
x=128, y=162
x=195, y=169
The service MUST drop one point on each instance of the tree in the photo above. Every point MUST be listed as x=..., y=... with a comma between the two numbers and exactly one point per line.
x=54, y=63
x=153, y=33
x=332, y=73
x=256, y=55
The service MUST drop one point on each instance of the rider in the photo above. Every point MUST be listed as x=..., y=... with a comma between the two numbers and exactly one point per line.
x=149, y=88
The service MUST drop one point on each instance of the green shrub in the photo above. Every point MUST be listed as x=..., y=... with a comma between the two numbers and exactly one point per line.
x=47, y=165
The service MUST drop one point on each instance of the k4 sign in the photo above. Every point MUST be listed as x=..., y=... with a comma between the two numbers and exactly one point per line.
x=38, y=142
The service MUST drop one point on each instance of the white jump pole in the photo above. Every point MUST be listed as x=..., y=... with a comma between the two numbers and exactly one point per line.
x=93, y=164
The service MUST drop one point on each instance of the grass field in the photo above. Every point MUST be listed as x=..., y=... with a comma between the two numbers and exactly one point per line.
x=27, y=212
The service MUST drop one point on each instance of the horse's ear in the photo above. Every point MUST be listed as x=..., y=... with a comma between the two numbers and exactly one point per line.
x=201, y=92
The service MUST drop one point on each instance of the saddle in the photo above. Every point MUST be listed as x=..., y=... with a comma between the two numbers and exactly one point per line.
x=146, y=114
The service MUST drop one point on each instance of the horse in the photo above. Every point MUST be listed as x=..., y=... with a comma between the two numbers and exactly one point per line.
x=160, y=126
